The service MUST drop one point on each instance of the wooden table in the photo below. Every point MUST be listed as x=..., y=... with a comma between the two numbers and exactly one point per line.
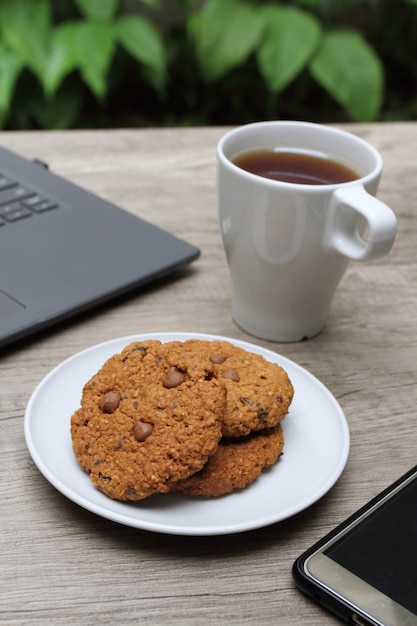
x=61, y=564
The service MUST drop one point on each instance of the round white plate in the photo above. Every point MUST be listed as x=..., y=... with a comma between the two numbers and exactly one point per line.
x=315, y=452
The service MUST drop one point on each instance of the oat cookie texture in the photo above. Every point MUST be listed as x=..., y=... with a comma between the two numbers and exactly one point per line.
x=235, y=464
x=195, y=417
x=259, y=392
x=143, y=424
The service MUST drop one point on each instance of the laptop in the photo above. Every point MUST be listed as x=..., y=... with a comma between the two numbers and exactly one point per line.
x=64, y=250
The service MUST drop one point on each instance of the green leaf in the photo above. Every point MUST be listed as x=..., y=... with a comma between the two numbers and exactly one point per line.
x=95, y=45
x=98, y=9
x=62, y=58
x=349, y=69
x=59, y=112
x=311, y=4
x=155, y=4
x=140, y=38
x=25, y=29
x=327, y=5
x=10, y=69
x=226, y=33
x=290, y=39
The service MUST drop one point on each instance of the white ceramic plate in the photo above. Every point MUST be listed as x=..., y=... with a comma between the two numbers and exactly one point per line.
x=315, y=452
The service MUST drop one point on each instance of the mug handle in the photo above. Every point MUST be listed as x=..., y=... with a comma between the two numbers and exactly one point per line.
x=345, y=230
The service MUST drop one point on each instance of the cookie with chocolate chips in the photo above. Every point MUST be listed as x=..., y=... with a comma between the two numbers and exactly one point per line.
x=259, y=392
x=235, y=465
x=146, y=422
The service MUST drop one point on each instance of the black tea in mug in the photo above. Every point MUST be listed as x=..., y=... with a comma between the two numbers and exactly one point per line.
x=295, y=166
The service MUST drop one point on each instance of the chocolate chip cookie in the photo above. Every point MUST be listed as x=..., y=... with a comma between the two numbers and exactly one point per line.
x=259, y=392
x=145, y=423
x=235, y=464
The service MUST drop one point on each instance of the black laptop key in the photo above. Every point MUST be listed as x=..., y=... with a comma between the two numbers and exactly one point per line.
x=18, y=192
x=6, y=182
x=34, y=199
x=14, y=212
x=18, y=201
x=41, y=207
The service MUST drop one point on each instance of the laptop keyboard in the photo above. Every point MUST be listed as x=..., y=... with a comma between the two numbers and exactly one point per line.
x=18, y=202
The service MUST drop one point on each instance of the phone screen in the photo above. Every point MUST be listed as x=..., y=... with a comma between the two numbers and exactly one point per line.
x=382, y=550
x=367, y=567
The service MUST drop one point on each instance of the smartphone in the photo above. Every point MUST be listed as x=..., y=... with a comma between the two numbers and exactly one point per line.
x=365, y=570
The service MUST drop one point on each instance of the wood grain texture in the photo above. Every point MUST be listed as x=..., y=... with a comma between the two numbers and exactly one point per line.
x=63, y=565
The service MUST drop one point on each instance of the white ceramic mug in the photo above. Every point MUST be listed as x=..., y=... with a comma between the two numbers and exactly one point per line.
x=288, y=245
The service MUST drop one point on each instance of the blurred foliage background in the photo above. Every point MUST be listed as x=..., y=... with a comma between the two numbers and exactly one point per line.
x=115, y=63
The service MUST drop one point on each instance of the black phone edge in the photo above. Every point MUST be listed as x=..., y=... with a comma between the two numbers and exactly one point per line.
x=327, y=599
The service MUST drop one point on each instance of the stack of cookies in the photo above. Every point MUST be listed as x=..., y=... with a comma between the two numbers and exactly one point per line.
x=197, y=417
